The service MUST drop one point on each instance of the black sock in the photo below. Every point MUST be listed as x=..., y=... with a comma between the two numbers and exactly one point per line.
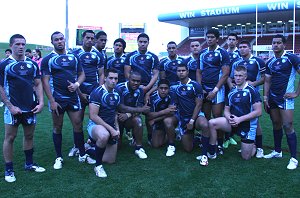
x=258, y=141
x=9, y=166
x=99, y=155
x=57, y=140
x=277, y=139
x=79, y=142
x=28, y=156
x=292, y=142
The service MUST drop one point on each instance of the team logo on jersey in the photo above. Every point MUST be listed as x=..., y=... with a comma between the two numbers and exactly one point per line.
x=238, y=95
x=188, y=88
x=87, y=56
x=147, y=57
x=116, y=97
x=244, y=94
x=22, y=67
x=64, y=59
x=142, y=58
x=117, y=62
x=29, y=66
x=234, y=56
x=173, y=63
x=216, y=54
x=283, y=61
x=135, y=94
x=245, y=63
x=93, y=56
x=278, y=63
x=70, y=58
x=251, y=62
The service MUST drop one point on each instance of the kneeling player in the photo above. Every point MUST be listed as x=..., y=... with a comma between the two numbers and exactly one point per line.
x=162, y=117
x=242, y=109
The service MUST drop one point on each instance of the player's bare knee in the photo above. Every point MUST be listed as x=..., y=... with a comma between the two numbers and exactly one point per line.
x=288, y=127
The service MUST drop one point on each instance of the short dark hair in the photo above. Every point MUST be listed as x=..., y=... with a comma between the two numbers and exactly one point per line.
x=280, y=36
x=8, y=50
x=214, y=32
x=134, y=73
x=100, y=33
x=15, y=36
x=54, y=33
x=87, y=31
x=233, y=34
x=183, y=65
x=143, y=35
x=245, y=42
x=172, y=42
x=120, y=40
x=110, y=70
x=163, y=81
x=38, y=51
x=241, y=68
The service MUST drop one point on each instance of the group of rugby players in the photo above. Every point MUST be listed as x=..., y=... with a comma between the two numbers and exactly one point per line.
x=215, y=91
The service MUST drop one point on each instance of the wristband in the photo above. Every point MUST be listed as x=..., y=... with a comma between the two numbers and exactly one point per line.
x=215, y=90
x=77, y=83
x=128, y=115
x=192, y=121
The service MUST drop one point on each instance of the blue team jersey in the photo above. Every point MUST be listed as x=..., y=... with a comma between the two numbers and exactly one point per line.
x=17, y=80
x=192, y=64
x=143, y=63
x=129, y=97
x=158, y=104
x=233, y=55
x=107, y=102
x=211, y=63
x=91, y=62
x=170, y=68
x=255, y=67
x=283, y=71
x=241, y=103
x=184, y=97
x=61, y=68
x=117, y=63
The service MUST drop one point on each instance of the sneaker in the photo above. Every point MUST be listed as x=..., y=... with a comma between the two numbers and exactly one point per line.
x=259, y=153
x=273, y=154
x=10, y=176
x=58, y=163
x=293, y=163
x=170, y=151
x=73, y=152
x=128, y=135
x=240, y=150
x=226, y=144
x=1, y=104
x=86, y=158
x=141, y=153
x=210, y=156
x=100, y=172
x=220, y=150
x=232, y=141
x=203, y=160
x=34, y=167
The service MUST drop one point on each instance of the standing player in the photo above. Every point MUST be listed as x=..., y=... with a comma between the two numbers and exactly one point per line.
x=162, y=118
x=18, y=76
x=242, y=109
x=91, y=62
x=168, y=65
x=193, y=61
x=103, y=125
x=117, y=60
x=100, y=43
x=279, y=96
x=131, y=105
x=188, y=97
x=62, y=76
x=144, y=62
x=214, y=68
x=255, y=76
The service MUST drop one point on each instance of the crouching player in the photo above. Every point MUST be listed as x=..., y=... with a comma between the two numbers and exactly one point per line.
x=242, y=109
x=103, y=124
x=188, y=97
x=161, y=118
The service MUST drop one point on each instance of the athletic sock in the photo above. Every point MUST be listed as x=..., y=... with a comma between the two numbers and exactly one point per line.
x=292, y=142
x=28, y=156
x=9, y=166
x=212, y=149
x=227, y=136
x=99, y=155
x=220, y=142
x=277, y=139
x=258, y=141
x=79, y=142
x=205, y=143
x=57, y=140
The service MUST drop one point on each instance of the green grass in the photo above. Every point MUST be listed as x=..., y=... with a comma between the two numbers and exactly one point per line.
x=157, y=176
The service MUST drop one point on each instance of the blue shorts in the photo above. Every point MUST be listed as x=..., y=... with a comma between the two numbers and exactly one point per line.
x=285, y=104
x=90, y=127
x=183, y=121
x=245, y=136
x=219, y=98
x=67, y=105
x=26, y=118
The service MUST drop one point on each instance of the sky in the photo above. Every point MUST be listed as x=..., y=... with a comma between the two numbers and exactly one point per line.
x=36, y=20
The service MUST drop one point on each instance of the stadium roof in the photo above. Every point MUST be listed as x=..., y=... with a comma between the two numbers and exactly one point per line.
x=240, y=14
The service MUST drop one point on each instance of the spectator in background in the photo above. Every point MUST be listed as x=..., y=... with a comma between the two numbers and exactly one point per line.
x=8, y=52
x=37, y=56
x=28, y=53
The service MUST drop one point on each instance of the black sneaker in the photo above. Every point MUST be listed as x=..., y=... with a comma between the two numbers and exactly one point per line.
x=220, y=150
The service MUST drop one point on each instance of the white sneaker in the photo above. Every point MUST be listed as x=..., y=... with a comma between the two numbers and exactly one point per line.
x=10, y=176
x=1, y=104
x=259, y=153
x=273, y=154
x=203, y=160
x=86, y=158
x=73, y=152
x=293, y=163
x=141, y=153
x=58, y=163
x=100, y=172
x=170, y=151
x=214, y=156
x=34, y=167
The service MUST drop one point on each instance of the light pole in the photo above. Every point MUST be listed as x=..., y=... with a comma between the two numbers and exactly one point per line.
x=67, y=25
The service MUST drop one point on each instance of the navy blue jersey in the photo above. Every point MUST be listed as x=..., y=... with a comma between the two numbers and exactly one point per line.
x=117, y=63
x=170, y=68
x=17, y=80
x=184, y=97
x=143, y=63
x=241, y=102
x=192, y=64
x=283, y=71
x=233, y=55
x=91, y=62
x=211, y=63
x=61, y=68
x=157, y=103
x=255, y=67
x=129, y=97
x=107, y=102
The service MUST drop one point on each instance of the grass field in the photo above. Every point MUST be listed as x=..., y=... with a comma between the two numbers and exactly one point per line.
x=157, y=176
